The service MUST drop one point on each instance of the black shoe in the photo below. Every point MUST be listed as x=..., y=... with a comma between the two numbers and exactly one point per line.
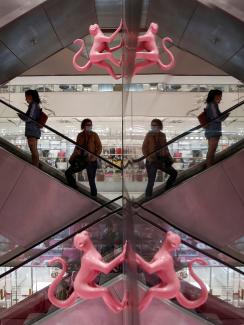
x=168, y=186
x=74, y=186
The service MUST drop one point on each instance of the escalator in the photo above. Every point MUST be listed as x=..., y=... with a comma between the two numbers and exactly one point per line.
x=32, y=205
x=223, y=277
x=25, y=292
x=206, y=204
x=30, y=279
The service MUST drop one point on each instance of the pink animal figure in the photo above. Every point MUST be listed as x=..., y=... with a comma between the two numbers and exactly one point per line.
x=84, y=284
x=97, y=55
x=147, y=50
x=163, y=266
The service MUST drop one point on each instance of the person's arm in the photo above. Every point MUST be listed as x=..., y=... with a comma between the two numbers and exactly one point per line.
x=98, y=145
x=223, y=116
x=22, y=117
x=34, y=114
x=211, y=112
x=165, y=150
x=25, y=118
x=145, y=146
x=77, y=150
x=35, y=111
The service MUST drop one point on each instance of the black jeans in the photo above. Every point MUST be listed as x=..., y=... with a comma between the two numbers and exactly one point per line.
x=152, y=168
x=91, y=168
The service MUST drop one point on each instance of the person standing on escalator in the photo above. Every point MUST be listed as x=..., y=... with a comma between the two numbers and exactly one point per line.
x=213, y=130
x=162, y=160
x=81, y=159
x=32, y=129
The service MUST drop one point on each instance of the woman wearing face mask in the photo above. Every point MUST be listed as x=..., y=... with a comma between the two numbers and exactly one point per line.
x=155, y=139
x=213, y=130
x=32, y=129
x=80, y=159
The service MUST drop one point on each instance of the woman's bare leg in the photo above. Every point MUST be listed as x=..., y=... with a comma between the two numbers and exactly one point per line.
x=212, y=147
x=32, y=143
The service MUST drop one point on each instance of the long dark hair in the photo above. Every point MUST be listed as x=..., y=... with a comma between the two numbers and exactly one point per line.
x=34, y=94
x=211, y=95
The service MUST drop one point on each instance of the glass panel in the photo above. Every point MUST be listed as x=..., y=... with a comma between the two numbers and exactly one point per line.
x=14, y=255
x=187, y=151
x=159, y=222
x=31, y=281
x=55, y=151
x=224, y=284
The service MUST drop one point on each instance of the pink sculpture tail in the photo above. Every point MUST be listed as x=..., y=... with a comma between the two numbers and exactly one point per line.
x=52, y=288
x=77, y=55
x=171, y=64
x=191, y=304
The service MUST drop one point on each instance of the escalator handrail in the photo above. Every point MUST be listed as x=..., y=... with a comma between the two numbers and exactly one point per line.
x=188, y=234
x=182, y=135
x=192, y=246
x=60, y=230
x=101, y=219
x=60, y=134
x=60, y=242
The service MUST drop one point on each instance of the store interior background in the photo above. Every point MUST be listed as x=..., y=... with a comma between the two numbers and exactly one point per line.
x=176, y=98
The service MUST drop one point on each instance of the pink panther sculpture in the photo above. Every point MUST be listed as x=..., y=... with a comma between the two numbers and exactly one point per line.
x=163, y=266
x=147, y=50
x=85, y=287
x=97, y=55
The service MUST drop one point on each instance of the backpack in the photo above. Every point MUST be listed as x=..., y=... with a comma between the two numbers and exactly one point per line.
x=42, y=119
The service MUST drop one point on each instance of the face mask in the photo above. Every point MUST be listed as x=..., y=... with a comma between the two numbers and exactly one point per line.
x=88, y=128
x=155, y=129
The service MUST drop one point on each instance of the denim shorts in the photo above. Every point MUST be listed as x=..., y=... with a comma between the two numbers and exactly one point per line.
x=212, y=134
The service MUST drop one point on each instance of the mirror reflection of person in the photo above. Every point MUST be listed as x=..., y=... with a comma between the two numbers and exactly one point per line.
x=80, y=159
x=161, y=160
x=213, y=130
x=32, y=129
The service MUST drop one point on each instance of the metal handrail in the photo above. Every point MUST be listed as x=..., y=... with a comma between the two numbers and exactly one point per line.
x=187, y=233
x=60, y=230
x=192, y=246
x=60, y=242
